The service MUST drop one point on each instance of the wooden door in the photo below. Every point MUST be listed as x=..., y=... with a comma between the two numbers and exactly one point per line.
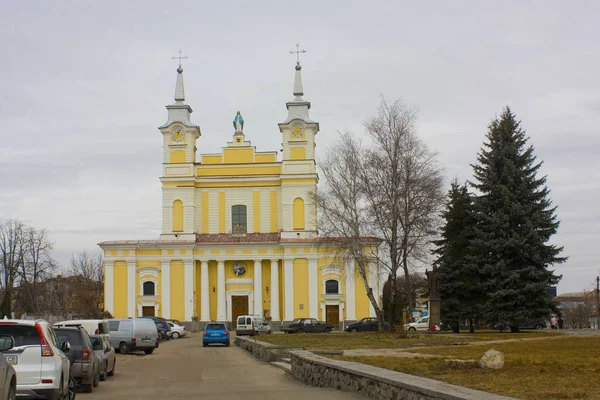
x=239, y=306
x=148, y=311
x=332, y=315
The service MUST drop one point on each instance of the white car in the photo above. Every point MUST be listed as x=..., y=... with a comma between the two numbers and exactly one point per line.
x=421, y=324
x=41, y=366
x=177, y=331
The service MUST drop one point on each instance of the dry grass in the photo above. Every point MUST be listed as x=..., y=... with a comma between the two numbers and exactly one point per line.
x=553, y=368
x=377, y=340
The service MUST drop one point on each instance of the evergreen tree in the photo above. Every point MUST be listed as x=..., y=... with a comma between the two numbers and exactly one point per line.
x=515, y=220
x=459, y=285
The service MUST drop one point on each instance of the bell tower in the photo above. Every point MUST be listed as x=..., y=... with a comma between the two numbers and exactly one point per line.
x=298, y=175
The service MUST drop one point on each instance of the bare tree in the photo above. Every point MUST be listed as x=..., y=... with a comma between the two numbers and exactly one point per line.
x=12, y=254
x=391, y=189
x=87, y=270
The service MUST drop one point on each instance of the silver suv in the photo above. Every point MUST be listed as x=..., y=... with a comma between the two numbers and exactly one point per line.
x=42, y=368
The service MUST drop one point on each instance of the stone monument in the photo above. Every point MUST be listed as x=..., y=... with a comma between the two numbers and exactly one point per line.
x=433, y=278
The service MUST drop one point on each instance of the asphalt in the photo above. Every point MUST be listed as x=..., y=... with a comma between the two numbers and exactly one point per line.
x=184, y=369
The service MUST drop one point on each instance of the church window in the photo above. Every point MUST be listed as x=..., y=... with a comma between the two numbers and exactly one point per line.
x=177, y=216
x=238, y=219
x=149, y=288
x=332, y=287
x=298, y=214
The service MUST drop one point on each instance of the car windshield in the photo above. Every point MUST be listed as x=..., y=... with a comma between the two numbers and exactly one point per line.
x=296, y=321
x=215, y=327
x=24, y=335
x=69, y=335
x=96, y=343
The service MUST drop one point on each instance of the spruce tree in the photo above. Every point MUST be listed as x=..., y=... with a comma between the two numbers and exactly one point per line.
x=459, y=280
x=515, y=221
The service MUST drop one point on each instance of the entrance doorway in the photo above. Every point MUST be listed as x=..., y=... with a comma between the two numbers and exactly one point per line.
x=148, y=311
x=332, y=315
x=239, y=306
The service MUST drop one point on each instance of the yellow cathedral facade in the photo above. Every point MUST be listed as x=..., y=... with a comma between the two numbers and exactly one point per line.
x=239, y=233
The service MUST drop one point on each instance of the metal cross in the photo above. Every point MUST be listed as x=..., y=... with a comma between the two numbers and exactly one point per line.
x=297, y=52
x=180, y=57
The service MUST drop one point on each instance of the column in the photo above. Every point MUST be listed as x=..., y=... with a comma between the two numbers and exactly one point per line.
x=165, y=285
x=131, y=282
x=313, y=291
x=258, y=298
x=350, y=291
x=221, y=312
x=204, y=292
x=109, y=286
x=275, y=290
x=188, y=289
x=288, y=279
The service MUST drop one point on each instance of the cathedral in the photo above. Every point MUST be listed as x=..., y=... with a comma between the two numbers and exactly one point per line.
x=239, y=232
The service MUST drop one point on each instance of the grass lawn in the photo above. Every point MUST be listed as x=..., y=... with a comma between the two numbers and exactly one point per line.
x=376, y=340
x=553, y=368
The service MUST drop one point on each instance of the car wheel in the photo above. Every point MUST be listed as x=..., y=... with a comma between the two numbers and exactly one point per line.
x=353, y=330
x=205, y=344
x=112, y=371
x=89, y=387
x=149, y=351
x=123, y=348
x=72, y=389
x=300, y=330
x=175, y=335
x=97, y=379
x=412, y=329
x=327, y=330
x=227, y=344
x=104, y=373
x=12, y=392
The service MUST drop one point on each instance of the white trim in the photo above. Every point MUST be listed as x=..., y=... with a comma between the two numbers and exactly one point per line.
x=258, y=298
x=189, y=272
x=288, y=290
x=144, y=280
x=275, y=291
x=221, y=295
x=313, y=293
x=166, y=288
x=239, y=293
x=334, y=269
x=239, y=281
x=147, y=303
x=204, y=292
x=350, y=291
x=338, y=280
x=338, y=303
x=131, y=309
x=153, y=271
x=109, y=287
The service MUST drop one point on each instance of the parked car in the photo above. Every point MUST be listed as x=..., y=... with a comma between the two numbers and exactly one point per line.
x=422, y=324
x=131, y=334
x=533, y=324
x=364, y=325
x=92, y=326
x=307, y=325
x=84, y=362
x=106, y=355
x=251, y=325
x=163, y=334
x=215, y=332
x=177, y=330
x=38, y=359
x=8, y=376
x=162, y=326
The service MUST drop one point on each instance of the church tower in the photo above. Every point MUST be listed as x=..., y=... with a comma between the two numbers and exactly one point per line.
x=298, y=171
x=179, y=156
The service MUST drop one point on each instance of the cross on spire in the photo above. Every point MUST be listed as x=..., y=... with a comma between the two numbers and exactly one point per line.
x=180, y=57
x=297, y=52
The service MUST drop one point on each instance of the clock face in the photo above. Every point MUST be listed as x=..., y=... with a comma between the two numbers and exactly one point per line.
x=239, y=269
x=177, y=134
x=297, y=130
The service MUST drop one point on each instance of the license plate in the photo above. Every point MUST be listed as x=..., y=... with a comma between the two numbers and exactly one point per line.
x=146, y=340
x=214, y=334
x=12, y=360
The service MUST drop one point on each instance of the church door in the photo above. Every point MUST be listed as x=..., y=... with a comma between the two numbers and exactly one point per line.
x=332, y=315
x=239, y=306
x=148, y=311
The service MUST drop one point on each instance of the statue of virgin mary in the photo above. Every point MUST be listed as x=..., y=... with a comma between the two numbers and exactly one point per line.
x=238, y=122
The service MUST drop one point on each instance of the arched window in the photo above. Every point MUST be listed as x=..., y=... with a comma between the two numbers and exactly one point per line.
x=178, y=216
x=298, y=214
x=149, y=288
x=238, y=219
x=332, y=287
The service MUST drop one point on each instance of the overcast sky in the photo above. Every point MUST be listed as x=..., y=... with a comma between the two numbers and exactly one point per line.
x=83, y=87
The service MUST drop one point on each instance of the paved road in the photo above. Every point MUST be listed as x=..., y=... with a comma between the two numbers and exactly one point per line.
x=183, y=369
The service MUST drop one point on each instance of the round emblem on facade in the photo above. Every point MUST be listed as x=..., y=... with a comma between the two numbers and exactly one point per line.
x=239, y=269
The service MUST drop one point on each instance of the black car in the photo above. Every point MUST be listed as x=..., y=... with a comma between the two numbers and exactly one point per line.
x=307, y=325
x=163, y=328
x=364, y=325
x=84, y=362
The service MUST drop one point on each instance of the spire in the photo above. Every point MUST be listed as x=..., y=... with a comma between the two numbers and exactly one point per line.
x=298, y=89
x=179, y=93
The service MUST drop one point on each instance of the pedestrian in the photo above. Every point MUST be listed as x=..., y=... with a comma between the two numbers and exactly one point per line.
x=554, y=322
x=560, y=322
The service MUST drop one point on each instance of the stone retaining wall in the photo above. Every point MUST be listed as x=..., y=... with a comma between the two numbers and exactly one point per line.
x=376, y=383
x=262, y=350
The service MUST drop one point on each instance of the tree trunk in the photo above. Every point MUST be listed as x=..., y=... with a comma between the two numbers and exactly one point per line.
x=514, y=329
x=471, y=327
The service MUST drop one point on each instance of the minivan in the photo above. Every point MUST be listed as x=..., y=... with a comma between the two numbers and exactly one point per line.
x=130, y=334
x=251, y=325
x=94, y=327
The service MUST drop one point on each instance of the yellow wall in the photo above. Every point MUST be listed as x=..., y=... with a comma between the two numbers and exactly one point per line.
x=298, y=153
x=239, y=171
x=205, y=212
x=177, y=291
x=256, y=205
x=212, y=159
x=360, y=295
x=212, y=283
x=239, y=155
x=265, y=157
x=197, y=291
x=298, y=213
x=229, y=269
x=177, y=216
x=221, y=212
x=300, y=288
x=178, y=156
x=149, y=252
x=273, y=208
x=120, y=290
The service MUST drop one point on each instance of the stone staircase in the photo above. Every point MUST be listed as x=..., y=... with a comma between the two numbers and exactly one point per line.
x=285, y=364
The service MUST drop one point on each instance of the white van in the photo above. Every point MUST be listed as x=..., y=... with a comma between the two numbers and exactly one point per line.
x=251, y=325
x=130, y=334
x=94, y=327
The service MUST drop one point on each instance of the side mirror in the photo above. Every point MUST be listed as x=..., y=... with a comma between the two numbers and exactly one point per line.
x=6, y=342
x=65, y=347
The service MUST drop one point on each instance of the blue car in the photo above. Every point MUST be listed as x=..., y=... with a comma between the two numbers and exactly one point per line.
x=215, y=332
